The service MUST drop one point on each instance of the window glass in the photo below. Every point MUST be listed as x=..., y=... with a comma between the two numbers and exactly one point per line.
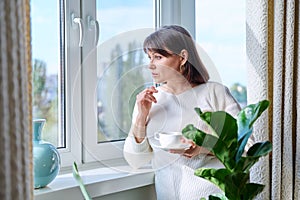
x=221, y=32
x=46, y=69
x=121, y=63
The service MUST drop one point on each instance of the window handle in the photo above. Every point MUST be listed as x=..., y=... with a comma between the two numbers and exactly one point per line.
x=78, y=20
x=94, y=23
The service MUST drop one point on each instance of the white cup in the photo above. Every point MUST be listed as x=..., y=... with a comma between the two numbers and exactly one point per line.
x=168, y=139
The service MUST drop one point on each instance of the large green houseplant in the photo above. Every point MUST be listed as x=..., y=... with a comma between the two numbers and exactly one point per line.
x=227, y=142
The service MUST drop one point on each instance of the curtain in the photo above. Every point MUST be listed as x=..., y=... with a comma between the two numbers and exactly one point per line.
x=15, y=101
x=273, y=63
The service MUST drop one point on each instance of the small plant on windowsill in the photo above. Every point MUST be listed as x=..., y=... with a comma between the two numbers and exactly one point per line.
x=78, y=178
x=227, y=143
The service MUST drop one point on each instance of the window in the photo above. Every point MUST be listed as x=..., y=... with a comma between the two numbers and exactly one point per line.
x=121, y=69
x=48, y=70
x=53, y=76
x=221, y=32
x=76, y=51
x=88, y=67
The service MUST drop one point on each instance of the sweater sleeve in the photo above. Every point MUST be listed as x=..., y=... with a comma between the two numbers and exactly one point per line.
x=136, y=154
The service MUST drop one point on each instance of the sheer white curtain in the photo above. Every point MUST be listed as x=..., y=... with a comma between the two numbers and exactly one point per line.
x=273, y=58
x=15, y=101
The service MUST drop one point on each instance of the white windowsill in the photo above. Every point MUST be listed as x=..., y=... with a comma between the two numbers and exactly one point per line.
x=99, y=182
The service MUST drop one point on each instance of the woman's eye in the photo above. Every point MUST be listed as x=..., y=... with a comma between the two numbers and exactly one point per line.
x=157, y=57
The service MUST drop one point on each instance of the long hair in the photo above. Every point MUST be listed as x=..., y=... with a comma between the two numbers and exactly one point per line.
x=175, y=38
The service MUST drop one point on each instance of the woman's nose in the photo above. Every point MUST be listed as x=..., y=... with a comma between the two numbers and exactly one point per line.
x=151, y=60
x=151, y=66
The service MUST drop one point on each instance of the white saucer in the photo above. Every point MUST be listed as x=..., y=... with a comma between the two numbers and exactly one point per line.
x=177, y=147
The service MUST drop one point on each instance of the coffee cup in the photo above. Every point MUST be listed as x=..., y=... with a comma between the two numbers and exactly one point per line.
x=168, y=139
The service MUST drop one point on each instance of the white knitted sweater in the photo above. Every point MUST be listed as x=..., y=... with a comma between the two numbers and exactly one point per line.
x=174, y=174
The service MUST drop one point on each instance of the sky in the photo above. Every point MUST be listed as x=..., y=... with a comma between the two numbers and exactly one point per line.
x=220, y=31
x=44, y=33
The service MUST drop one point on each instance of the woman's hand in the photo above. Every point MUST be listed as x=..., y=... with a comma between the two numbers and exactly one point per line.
x=144, y=101
x=193, y=151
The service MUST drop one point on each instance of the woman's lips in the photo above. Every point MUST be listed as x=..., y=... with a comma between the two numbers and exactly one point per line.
x=154, y=74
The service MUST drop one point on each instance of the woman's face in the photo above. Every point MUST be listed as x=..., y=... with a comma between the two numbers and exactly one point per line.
x=164, y=69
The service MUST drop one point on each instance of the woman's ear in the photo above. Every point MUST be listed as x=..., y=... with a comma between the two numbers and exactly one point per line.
x=184, y=55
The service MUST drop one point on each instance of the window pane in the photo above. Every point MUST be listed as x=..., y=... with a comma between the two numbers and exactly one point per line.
x=46, y=69
x=122, y=72
x=221, y=32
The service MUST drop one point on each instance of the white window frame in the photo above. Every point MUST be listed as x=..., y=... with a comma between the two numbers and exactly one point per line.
x=181, y=12
x=81, y=99
x=73, y=122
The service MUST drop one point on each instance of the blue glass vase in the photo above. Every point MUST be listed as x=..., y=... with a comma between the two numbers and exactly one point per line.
x=46, y=159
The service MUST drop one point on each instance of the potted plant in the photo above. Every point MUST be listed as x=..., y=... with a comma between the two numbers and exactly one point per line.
x=227, y=142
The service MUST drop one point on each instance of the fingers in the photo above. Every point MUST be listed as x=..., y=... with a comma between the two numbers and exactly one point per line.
x=150, y=98
x=188, y=141
x=188, y=155
x=147, y=95
x=186, y=152
x=177, y=151
x=190, y=152
x=152, y=89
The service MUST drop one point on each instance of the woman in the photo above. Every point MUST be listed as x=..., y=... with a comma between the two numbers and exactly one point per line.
x=175, y=66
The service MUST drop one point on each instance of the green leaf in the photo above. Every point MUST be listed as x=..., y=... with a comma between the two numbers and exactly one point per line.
x=211, y=143
x=241, y=145
x=80, y=182
x=217, y=197
x=224, y=147
x=254, y=153
x=198, y=111
x=211, y=197
x=245, y=121
x=251, y=190
x=225, y=154
x=189, y=127
x=199, y=137
x=227, y=142
x=245, y=163
x=222, y=123
x=216, y=176
x=248, y=115
x=260, y=149
x=234, y=183
x=231, y=190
